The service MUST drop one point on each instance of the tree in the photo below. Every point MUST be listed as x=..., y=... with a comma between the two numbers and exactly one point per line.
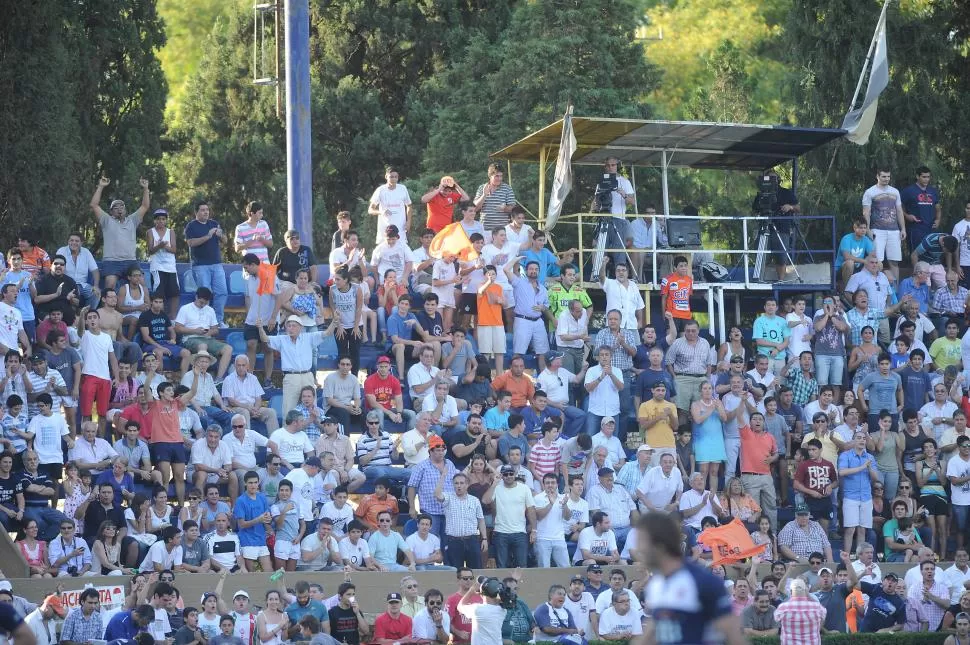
x=83, y=95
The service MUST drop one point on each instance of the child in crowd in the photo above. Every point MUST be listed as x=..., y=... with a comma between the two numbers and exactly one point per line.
x=14, y=435
x=901, y=356
x=369, y=315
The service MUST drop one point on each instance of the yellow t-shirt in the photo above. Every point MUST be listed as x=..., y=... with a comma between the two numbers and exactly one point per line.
x=660, y=435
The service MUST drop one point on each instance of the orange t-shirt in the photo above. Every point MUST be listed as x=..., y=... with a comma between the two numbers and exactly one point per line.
x=36, y=260
x=521, y=389
x=490, y=315
x=754, y=446
x=370, y=507
x=678, y=289
x=851, y=614
x=441, y=209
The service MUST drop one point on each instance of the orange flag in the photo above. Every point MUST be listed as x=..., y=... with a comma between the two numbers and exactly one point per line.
x=267, y=279
x=730, y=543
x=452, y=240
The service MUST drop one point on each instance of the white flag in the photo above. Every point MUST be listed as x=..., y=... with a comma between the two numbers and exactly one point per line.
x=858, y=122
x=563, y=181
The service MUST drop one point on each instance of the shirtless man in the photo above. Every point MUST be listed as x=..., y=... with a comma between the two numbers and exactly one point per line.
x=111, y=319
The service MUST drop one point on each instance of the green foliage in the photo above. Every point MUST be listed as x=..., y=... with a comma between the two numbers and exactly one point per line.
x=83, y=94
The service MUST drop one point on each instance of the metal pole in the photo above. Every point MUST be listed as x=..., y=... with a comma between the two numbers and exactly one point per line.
x=279, y=59
x=542, y=186
x=865, y=65
x=299, y=194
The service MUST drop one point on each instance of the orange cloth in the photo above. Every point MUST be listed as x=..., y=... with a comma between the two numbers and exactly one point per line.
x=490, y=315
x=370, y=507
x=452, y=240
x=730, y=543
x=267, y=279
x=851, y=614
x=521, y=389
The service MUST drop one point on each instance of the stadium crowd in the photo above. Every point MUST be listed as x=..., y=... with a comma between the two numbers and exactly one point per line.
x=136, y=442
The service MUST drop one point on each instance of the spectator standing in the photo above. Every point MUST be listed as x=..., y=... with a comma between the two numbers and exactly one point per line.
x=466, y=535
x=205, y=238
x=494, y=199
x=800, y=618
x=120, y=230
x=623, y=296
x=857, y=469
x=515, y=518
x=758, y=452
x=531, y=304
x=877, y=287
x=253, y=235
x=424, y=481
x=296, y=356
x=772, y=336
x=689, y=364
x=886, y=611
x=441, y=202
x=882, y=209
x=292, y=257
x=603, y=383
x=391, y=204
x=160, y=245
x=922, y=210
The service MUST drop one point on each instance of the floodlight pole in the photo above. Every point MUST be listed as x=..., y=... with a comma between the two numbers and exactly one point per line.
x=299, y=193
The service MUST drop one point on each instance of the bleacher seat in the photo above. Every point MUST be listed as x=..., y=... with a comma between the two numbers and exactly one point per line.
x=410, y=527
x=237, y=283
x=276, y=402
x=237, y=342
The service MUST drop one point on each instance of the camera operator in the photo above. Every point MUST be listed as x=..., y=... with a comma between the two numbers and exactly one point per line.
x=783, y=203
x=621, y=196
x=487, y=617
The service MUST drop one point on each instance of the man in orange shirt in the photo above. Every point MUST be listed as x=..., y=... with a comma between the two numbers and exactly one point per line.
x=441, y=202
x=758, y=452
x=36, y=260
x=675, y=292
x=517, y=383
x=490, y=328
x=376, y=503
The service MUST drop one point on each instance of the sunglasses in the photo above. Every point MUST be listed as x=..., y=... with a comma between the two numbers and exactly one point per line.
x=373, y=423
x=815, y=562
x=241, y=425
x=466, y=578
x=434, y=603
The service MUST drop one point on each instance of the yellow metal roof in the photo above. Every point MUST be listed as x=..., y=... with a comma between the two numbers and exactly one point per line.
x=689, y=144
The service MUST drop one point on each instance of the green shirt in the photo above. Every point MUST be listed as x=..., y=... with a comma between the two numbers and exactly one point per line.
x=559, y=299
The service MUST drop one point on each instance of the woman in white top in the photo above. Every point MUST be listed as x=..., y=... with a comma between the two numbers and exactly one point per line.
x=160, y=513
x=106, y=552
x=801, y=327
x=160, y=242
x=139, y=528
x=733, y=346
x=133, y=300
x=193, y=510
x=517, y=231
x=272, y=622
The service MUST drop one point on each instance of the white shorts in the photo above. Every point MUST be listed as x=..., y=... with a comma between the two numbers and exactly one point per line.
x=888, y=244
x=254, y=552
x=509, y=296
x=69, y=402
x=491, y=339
x=855, y=513
x=285, y=550
x=527, y=332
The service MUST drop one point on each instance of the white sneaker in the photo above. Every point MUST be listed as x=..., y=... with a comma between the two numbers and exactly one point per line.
x=223, y=325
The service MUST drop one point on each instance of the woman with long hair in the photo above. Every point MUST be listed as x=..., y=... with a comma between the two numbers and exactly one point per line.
x=34, y=551
x=733, y=346
x=764, y=535
x=77, y=491
x=864, y=359
x=133, y=300
x=930, y=476
x=272, y=621
x=160, y=513
x=738, y=503
x=481, y=476
x=347, y=301
x=708, y=416
x=106, y=551
x=139, y=529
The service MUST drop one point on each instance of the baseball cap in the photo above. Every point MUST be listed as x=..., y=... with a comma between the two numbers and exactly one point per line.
x=394, y=597
x=602, y=472
x=294, y=318
x=577, y=578
x=802, y=509
x=434, y=441
x=38, y=358
x=594, y=568
x=448, y=180
x=241, y=592
x=825, y=570
x=160, y=212
x=553, y=355
x=383, y=359
x=5, y=585
x=330, y=420
x=54, y=602
x=892, y=576
x=507, y=470
x=606, y=420
x=313, y=461
x=645, y=448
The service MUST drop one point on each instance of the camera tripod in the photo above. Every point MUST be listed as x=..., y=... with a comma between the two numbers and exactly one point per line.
x=766, y=233
x=604, y=228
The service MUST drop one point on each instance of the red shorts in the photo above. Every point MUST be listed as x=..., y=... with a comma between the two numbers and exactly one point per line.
x=94, y=389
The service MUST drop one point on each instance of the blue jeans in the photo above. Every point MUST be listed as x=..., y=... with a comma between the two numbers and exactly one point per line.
x=399, y=475
x=434, y=567
x=217, y=415
x=87, y=295
x=463, y=551
x=438, y=526
x=394, y=567
x=621, y=532
x=890, y=484
x=829, y=369
x=593, y=422
x=551, y=550
x=48, y=521
x=574, y=421
x=509, y=548
x=213, y=277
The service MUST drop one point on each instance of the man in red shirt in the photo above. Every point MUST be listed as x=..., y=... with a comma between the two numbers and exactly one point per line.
x=382, y=392
x=815, y=479
x=461, y=626
x=441, y=202
x=392, y=626
x=758, y=452
x=675, y=292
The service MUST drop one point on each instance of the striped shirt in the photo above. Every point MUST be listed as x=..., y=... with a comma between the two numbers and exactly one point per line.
x=491, y=215
x=621, y=358
x=461, y=515
x=368, y=442
x=246, y=233
x=688, y=359
x=544, y=458
x=424, y=478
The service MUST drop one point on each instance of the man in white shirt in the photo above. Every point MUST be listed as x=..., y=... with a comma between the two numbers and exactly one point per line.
x=392, y=254
x=421, y=375
x=243, y=394
x=617, y=583
x=98, y=366
x=615, y=501
x=603, y=383
x=12, y=331
x=555, y=380
x=320, y=550
x=619, y=622
x=197, y=324
x=696, y=504
x=623, y=295
x=242, y=443
x=166, y=553
x=515, y=518
x=82, y=268
x=597, y=542
x=606, y=438
x=212, y=462
x=432, y=624
x=957, y=577
x=914, y=575
x=391, y=204
x=349, y=255
x=572, y=334
x=958, y=473
x=553, y=517
x=91, y=452
x=661, y=486
x=207, y=401
x=223, y=546
x=41, y=620
x=579, y=602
